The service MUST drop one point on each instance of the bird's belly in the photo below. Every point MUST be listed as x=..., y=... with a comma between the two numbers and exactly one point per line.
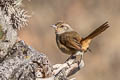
x=65, y=50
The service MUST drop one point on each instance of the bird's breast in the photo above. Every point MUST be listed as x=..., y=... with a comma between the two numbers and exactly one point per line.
x=62, y=47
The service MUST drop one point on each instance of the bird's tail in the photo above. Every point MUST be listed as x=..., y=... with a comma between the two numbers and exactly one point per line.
x=85, y=41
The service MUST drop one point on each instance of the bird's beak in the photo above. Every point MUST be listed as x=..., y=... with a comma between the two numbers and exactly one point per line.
x=55, y=27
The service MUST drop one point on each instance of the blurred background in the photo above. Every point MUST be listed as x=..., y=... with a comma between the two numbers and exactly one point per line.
x=84, y=16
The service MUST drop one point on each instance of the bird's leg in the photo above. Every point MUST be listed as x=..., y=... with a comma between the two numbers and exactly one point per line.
x=71, y=57
x=81, y=57
x=79, y=53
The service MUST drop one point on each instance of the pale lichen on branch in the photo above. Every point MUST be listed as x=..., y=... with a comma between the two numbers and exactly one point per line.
x=16, y=15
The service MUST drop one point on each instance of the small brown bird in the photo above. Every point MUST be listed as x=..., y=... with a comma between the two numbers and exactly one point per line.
x=70, y=42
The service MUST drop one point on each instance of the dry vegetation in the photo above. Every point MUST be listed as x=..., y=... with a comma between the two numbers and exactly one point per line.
x=84, y=15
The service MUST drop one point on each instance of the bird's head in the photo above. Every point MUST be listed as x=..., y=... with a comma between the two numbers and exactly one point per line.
x=61, y=27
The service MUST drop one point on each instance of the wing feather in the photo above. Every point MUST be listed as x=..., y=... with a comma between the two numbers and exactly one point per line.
x=71, y=40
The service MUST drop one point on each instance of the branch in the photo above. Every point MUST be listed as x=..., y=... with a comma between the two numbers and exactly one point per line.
x=67, y=69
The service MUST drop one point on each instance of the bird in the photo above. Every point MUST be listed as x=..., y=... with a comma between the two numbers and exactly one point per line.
x=70, y=42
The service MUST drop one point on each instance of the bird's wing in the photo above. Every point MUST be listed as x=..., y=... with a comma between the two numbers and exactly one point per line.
x=71, y=40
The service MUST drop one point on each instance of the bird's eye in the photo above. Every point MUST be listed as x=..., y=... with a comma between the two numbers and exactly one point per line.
x=62, y=26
